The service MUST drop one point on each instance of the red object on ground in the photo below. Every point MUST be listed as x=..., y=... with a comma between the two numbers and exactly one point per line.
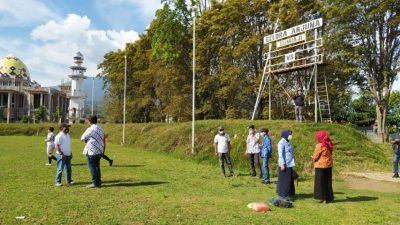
x=258, y=206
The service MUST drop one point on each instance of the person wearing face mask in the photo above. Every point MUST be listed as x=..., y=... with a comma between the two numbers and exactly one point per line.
x=266, y=150
x=253, y=151
x=63, y=155
x=285, y=187
x=222, y=147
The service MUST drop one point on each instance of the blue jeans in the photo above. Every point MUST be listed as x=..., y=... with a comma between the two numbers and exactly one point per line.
x=265, y=169
x=63, y=162
x=93, y=162
x=396, y=163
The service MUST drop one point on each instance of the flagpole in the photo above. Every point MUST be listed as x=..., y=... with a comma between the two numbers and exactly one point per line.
x=124, y=114
x=92, y=95
x=194, y=78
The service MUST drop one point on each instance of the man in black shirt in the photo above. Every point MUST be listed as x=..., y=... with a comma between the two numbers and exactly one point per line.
x=299, y=103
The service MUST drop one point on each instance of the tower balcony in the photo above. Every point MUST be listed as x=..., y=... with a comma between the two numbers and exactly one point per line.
x=77, y=76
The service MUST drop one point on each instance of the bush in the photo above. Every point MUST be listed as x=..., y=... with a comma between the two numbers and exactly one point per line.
x=25, y=119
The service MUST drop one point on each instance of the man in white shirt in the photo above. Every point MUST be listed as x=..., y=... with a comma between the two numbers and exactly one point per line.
x=63, y=155
x=94, y=148
x=222, y=147
x=253, y=151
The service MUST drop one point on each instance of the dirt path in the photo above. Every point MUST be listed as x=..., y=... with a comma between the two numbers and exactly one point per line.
x=374, y=181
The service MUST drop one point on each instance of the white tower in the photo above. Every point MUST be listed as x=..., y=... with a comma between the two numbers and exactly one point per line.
x=77, y=97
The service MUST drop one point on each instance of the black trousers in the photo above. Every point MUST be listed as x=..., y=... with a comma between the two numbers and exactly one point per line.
x=224, y=157
x=51, y=157
x=323, y=184
x=285, y=187
x=106, y=157
x=254, y=160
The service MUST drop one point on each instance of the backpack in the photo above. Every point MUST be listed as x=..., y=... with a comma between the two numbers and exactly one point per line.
x=281, y=202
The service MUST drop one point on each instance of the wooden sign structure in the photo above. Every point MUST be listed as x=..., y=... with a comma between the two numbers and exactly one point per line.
x=297, y=48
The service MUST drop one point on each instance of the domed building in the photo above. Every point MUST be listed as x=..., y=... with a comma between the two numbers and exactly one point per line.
x=20, y=96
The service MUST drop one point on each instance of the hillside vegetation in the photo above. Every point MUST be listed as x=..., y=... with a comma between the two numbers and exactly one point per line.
x=353, y=151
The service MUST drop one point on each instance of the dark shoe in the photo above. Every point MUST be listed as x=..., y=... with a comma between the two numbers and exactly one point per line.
x=111, y=162
x=396, y=175
x=265, y=182
x=253, y=175
x=231, y=175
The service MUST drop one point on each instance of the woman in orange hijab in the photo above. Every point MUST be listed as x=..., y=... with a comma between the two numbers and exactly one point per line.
x=323, y=163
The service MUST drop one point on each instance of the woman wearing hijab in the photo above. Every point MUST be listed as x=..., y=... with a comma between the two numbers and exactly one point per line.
x=285, y=187
x=323, y=162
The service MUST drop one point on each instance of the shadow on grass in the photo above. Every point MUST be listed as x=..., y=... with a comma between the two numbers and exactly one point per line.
x=127, y=166
x=133, y=184
x=356, y=199
x=78, y=164
x=104, y=182
x=124, y=166
x=311, y=195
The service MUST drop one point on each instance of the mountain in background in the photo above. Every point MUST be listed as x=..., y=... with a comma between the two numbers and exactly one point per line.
x=98, y=90
x=98, y=95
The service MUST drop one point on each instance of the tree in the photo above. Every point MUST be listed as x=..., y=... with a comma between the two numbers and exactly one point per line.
x=394, y=108
x=368, y=33
x=40, y=113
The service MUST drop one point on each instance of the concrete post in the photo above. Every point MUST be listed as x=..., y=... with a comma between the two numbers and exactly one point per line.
x=41, y=99
x=9, y=107
x=49, y=110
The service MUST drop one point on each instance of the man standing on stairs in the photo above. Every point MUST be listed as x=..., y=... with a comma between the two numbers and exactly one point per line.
x=395, y=141
x=298, y=105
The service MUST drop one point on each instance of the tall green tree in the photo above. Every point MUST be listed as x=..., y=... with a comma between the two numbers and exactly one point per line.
x=367, y=32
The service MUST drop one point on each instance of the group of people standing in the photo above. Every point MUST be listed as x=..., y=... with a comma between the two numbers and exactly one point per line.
x=259, y=145
x=94, y=150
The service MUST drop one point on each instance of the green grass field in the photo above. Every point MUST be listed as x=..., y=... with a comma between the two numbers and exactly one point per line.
x=147, y=187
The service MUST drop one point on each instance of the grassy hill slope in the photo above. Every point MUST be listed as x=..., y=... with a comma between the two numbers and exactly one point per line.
x=353, y=151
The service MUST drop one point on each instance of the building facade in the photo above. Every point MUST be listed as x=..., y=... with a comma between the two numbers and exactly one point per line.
x=21, y=99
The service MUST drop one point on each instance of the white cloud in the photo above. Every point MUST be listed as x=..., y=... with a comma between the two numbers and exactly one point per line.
x=15, y=13
x=49, y=53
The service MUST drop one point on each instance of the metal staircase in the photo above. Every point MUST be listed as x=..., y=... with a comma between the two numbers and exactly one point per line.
x=323, y=101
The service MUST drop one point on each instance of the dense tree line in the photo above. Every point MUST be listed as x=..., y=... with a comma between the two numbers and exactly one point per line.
x=362, y=45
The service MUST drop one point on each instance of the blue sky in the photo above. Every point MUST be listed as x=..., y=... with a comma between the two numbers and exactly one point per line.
x=45, y=34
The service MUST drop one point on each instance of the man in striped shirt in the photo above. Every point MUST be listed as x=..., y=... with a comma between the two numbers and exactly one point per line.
x=94, y=148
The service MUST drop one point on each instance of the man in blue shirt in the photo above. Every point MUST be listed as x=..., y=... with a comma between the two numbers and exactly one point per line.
x=266, y=150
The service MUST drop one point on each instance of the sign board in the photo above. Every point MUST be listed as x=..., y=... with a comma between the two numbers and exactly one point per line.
x=296, y=48
x=313, y=24
x=291, y=40
x=290, y=57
